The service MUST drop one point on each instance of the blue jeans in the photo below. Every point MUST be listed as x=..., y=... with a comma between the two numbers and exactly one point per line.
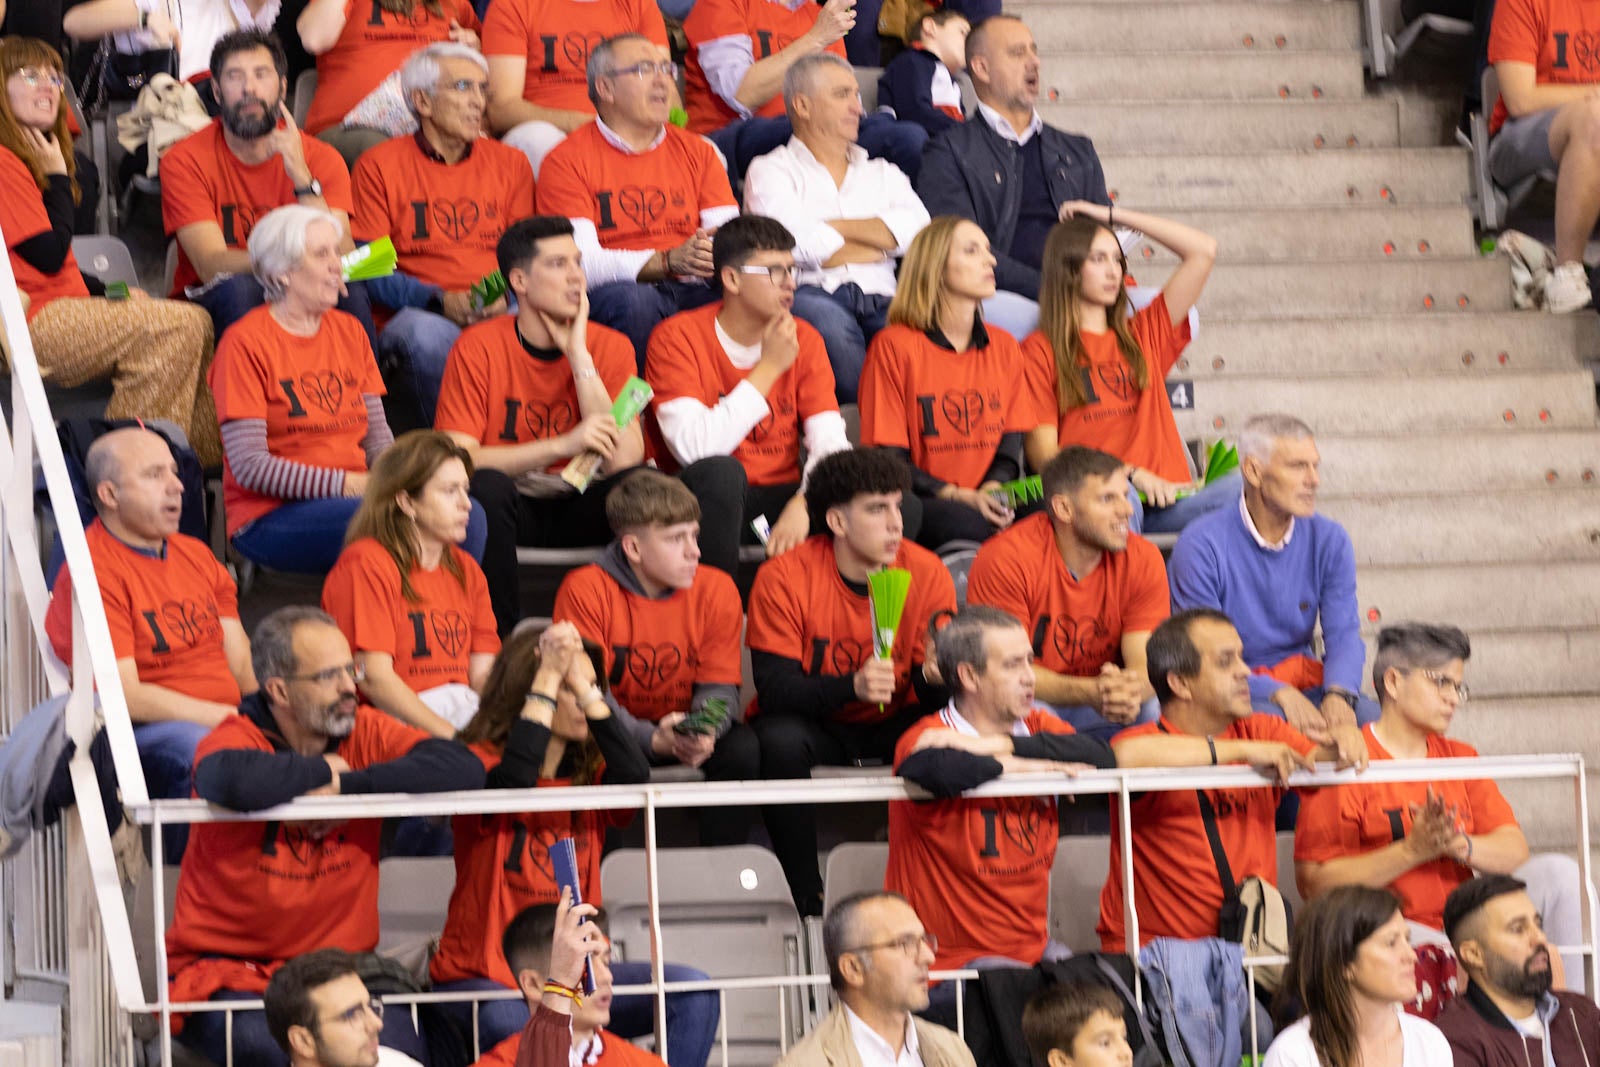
x=636, y=308
x=848, y=319
x=230, y=300
x=1086, y=720
x=253, y=1046
x=306, y=536
x=416, y=344
x=166, y=752
x=883, y=137
x=1151, y=520
x=1367, y=710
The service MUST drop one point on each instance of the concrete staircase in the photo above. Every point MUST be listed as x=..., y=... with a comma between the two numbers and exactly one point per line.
x=1459, y=437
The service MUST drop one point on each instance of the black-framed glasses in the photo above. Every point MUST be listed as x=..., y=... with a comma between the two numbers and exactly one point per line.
x=36, y=76
x=357, y=1015
x=908, y=945
x=647, y=70
x=1442, y=681
x=778, y=272
x=356, y=671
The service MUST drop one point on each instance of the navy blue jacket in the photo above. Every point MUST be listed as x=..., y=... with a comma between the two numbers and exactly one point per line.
x=906, y=88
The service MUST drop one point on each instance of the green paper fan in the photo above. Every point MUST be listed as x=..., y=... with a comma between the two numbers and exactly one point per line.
x=375, y=260
x=488, y=289
x=1023, y=490
x=886, y=594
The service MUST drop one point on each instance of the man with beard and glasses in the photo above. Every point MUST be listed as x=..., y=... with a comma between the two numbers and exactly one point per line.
x=252, y=895
x=218, y=182
x=1509, y=1016
x=1102, y=590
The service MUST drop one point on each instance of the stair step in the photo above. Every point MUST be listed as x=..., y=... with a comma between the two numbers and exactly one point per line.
x=1507, y=595
x=1417, y=343
x=1165, y=75
x=1398, y=405
x=1490, y=462
x=1346, y=288
x=1500, y=726
x=1423, y=234
x=1472, y=527
x=1304, y=177
x=1243, y=125
x=1510, y=665
x=1247, y=28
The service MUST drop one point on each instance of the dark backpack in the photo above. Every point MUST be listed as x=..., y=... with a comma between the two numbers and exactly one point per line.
x=995, y=1001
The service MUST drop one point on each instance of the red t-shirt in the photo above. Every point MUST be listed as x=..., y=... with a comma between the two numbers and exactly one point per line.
x=649, y=200
x=801, y=609
x=499, y=393
x=1352, y=820
x=950, y=409
x=432, y=638
x=308, y=389
x=1176, y=888
x=771, y=27
x=374, y=44
x=203, y=181
x=555, y=37
x=22, y=215
x=166, y=613
x=614, y=1052
x=271, y=891
x=444, y=219
x=686, y=359
x=657, y=650
x=1076, y=624
x=1553, y=35
x=977, y=872
x=1133, y=424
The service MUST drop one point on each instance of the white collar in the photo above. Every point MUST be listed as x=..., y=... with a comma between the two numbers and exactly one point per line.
x=588, y=1052
x=961, y=725
x=854, y=154
x=623, y=146
x=1000, y=125
x=862, y=1034
x=1255, y=534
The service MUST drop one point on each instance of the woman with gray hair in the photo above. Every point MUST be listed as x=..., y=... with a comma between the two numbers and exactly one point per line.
x=298, y=399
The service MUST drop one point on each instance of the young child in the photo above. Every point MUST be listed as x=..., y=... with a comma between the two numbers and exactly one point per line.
x=1077, y=1025
x=919, y=84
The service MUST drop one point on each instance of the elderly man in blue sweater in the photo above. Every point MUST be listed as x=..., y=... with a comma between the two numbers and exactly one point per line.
x=1276, y=567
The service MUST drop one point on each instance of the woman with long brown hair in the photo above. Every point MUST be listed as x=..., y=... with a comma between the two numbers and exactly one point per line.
x=1096, y=374
x=1351, y=964
x=413, y=604
x=155, y=351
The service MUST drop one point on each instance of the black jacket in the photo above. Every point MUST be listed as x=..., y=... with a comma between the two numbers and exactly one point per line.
x=971, y=171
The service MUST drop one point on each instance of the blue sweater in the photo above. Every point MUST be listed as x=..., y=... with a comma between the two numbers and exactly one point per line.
x=1275, y=598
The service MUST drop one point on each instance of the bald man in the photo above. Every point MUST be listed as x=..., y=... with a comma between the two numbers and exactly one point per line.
x=172, y=609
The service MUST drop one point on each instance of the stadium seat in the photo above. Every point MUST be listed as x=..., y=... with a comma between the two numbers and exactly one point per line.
x=1076, y=879
x=957, y=557
x=413, y=901
x=305, y=87
x=853, y=867
x=1286, y=882
x=107, y=258
x=1490, y=202
x=867, y=78
x=727, y=911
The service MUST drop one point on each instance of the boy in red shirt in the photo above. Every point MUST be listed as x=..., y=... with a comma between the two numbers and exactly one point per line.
x=670, y=631
x=1101, y=592
x=822, y=697
x=251, y=896
x=739, y=385
x=525, y=393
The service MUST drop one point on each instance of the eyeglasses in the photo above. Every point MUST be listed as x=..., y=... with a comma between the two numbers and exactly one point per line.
x=356, y=671
x=778, y=272
x=908, y=945
x=467, y=85
x=1444, y=682
x=647, y=70
x=357, y=1015
x=35, y=77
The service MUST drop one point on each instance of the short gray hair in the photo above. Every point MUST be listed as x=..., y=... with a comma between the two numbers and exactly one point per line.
x=801, y=77
x=599, y=65
x=961, y=640
x=1417, y=646
x=421, y=72
x=839, y=929
x=278, y=244
x=272, y=645
x=1261, y=431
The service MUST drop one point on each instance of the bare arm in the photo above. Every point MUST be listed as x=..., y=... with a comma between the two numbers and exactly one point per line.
x=1520, y=89
x=508, y=77
x=764, y=78
x=1053, y=688
x=86, y=22
x=515, y=459
x=236, y=646
x=478, y=665
x=157, y=703
x=388, y=692
x=1500, y=851
x=1133, y=661
x=203, y=244
x=320, y=25
x=1040, y=445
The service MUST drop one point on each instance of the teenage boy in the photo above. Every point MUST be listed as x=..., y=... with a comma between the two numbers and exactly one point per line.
x=1076, y=1024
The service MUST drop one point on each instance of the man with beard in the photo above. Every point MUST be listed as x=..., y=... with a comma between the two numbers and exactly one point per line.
x=1102, y=590
x=1509, y=1016
x=220, y=180
x=252, y=895
x=320, y=1013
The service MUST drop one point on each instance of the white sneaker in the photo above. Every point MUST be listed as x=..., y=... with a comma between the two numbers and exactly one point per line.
x=1567, y=289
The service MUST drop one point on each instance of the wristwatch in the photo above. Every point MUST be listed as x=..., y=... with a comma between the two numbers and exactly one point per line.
x=312, y=188
x=1343, y=694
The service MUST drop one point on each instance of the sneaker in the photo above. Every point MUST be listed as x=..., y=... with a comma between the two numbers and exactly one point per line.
x=1567, y=289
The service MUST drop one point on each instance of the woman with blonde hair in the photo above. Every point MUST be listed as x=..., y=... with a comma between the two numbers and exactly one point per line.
x=154, y=351
x=940, y=386
x=413, y=604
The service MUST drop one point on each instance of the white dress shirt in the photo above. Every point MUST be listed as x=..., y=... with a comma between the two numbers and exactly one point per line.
x=999, y=124
x=875, y=1051
x=1255, y=534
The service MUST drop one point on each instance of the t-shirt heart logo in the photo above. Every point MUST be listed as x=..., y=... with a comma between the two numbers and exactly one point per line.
x=1022, y=828
x=1118, y=380
x=650, y=665
x=323, y=389
x=1586, y=49
x=548, y=420
x=1081, y=642
x=642, y=204
x=577, y=46
x=451, y=630
x=189, y=620
x=848, y=654
x=962, y=409
x=758, y=433
x=456, y=218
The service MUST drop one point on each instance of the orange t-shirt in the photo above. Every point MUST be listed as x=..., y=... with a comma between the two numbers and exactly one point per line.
x=432, y=638
x=22, y=215
x=555, y=36
x=502, y=866
x=614, y=1052
x=1352, y=820
x=687, y=359
x=444, y=219
x=771, y=27
x=801, y=609
x=1133, y=424
x=166, y=613
x=649, y=200
x=950, y=409
x=1176, y=887
x=1076, y=624
x=657, y=650
x=1554, y=36
x=308, y=389
x=203, y=181
x=271, y=891
x=977, y=872
x=498, y=392
x=373, y=44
